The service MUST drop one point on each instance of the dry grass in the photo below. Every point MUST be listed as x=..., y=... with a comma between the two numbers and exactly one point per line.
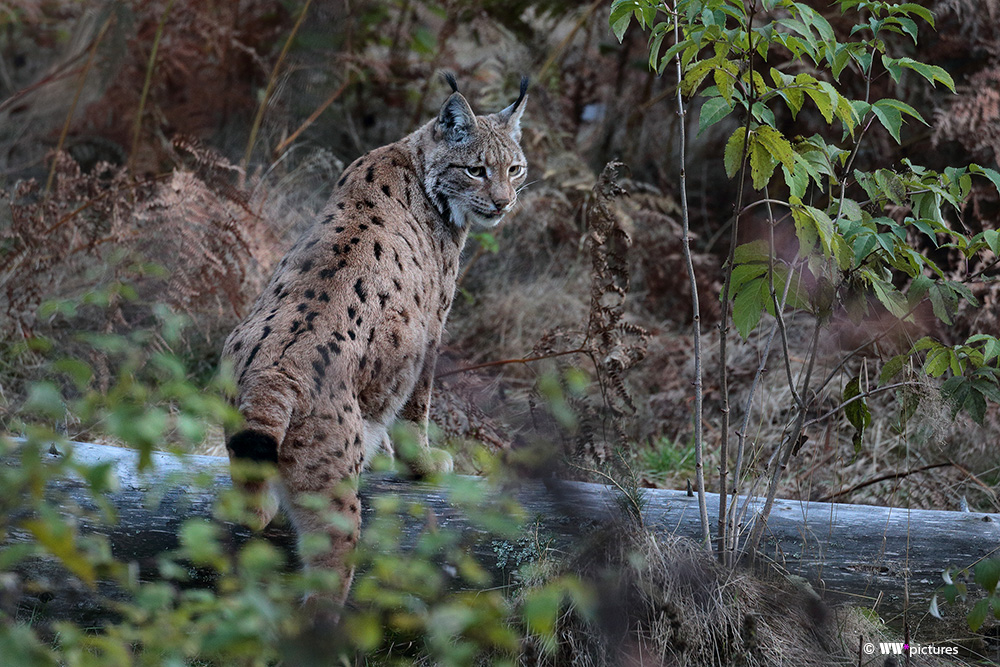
x=664, y=601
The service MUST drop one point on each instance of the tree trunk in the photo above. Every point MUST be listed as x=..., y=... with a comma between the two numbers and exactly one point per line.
x=856, y=553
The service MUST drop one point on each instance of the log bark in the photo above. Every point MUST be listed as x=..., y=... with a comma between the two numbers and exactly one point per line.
x=858, y=553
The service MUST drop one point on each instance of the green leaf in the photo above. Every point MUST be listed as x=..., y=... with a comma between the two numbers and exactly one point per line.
x=925, y=343
x=734, y=152
x=891, y=298
x=811, y=225
x=914, y=8
x=697, y=72
x=977, y=616
x=621, y=16
x=992, y=238
x=851, y=210
x=744, y=273
x=932, y=73
x=762, y=165
x=909, y=26
x=60, y=539
x=541, y=610
x=777, y=145
x=817, y=21
x=857, y=412
x=892, y=368
x=424, y=41
x=988, y=173
x=754, y=251
x=987, y=384
x=841, y=106
x=891, y=185
x=724, y=75
x=655, y=42
x=821, y=99
x=991, y=346
x=841, y=57
x=672, y=53
x=975, y=405
x=918, y=289
x=749, y=305
x=200, y=539
x=793, y=97
x=45, y=399
x=938, y=361
x=890, y=118
x=712, y=111
x=797, y=179
x=938, y=305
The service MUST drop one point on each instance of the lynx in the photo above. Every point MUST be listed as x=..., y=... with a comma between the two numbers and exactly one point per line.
x=344, y=338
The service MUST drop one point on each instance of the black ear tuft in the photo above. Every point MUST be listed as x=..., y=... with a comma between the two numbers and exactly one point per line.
x=524, y=91
x=449, y=77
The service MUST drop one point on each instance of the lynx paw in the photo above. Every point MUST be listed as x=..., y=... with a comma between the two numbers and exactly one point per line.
x=431, y=461
x=262, y=506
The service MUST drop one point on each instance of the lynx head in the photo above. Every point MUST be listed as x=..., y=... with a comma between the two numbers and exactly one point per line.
x=474, y=164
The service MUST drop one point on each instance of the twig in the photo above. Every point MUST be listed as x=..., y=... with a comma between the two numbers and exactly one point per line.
x=983, y=485
x=874, y=339
x=730, y=544
x=727, y=283
x=312, y=117
x=861, y=396
x=699, y=452
x=558, y=50
x=150, y=65
x=76, y=100
x=787, y=446
x=615, y=483
x=883, y=478
x=270, y=87
x=504, y=362
x=61, y=72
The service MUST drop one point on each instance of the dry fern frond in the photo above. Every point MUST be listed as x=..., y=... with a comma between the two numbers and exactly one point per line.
x=973, y=119
x=614, y=344
x=196, y=225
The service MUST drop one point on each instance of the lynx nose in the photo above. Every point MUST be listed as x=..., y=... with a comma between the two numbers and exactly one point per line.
x=501, y=204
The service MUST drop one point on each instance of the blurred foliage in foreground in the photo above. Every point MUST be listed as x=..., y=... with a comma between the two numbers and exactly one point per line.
x=428, y=601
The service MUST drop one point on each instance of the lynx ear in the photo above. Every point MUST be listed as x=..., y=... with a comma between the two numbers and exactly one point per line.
x=511, y=116
x=456, y=120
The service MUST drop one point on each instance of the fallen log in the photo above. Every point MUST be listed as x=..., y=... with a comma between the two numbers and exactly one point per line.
x=862, y=554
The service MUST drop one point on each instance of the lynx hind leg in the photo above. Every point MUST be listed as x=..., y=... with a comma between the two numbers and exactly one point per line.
x=251, y=453
x=319, y=483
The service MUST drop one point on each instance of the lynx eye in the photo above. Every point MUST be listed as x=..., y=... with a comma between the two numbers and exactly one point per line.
x=476, y=172
x=515, y=169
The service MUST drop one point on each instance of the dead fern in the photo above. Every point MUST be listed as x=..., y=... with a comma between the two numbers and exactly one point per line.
x=612, y=344
x=105, y=225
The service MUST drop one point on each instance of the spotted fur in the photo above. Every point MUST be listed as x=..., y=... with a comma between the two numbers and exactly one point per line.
x=344, y=338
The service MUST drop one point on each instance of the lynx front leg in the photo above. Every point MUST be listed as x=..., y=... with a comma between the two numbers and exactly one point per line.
x=427, y=460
